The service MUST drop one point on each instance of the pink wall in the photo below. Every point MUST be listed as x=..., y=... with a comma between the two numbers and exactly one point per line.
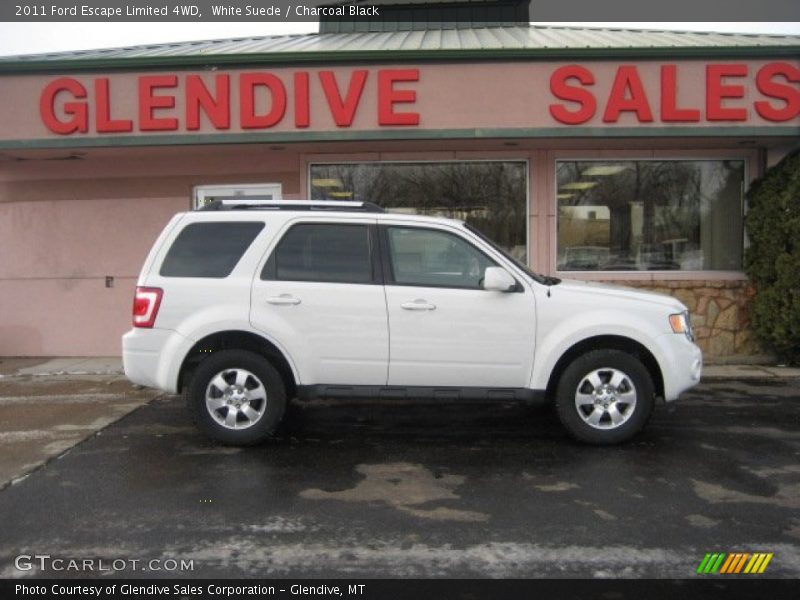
x=67, y=224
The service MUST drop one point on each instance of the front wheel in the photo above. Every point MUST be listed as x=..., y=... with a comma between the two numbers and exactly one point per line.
x=605, y=397
x=236, y=397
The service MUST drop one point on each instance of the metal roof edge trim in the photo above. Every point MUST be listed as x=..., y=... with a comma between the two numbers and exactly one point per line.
x=401, y=135
x=396, y=56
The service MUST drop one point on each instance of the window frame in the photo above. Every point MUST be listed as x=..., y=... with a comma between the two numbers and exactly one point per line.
x=388, y=270
x=268, y=271
x=654, y=156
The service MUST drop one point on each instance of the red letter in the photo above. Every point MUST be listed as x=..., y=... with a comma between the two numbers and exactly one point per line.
x=716, y=92
x=343, y=111
x=560, y=89
x=388, y=97
x=247, y=101
x=105, y=124
x=148, y=103
x=669, y=98
x=789, y=94
x=301, y=107
x=627, y=79
x=78, y=110
x=218, y=110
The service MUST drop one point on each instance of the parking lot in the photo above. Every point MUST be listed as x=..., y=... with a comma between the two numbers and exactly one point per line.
x=397, y=489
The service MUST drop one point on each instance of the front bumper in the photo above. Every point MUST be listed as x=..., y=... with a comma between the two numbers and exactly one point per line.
x=681, y=364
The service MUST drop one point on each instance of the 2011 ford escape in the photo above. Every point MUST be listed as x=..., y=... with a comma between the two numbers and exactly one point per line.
x=246, y=304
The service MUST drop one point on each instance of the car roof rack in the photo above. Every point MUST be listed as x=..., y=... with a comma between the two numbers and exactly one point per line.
x=256, y=203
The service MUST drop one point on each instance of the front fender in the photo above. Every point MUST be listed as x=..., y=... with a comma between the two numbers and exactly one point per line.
x=556, y=341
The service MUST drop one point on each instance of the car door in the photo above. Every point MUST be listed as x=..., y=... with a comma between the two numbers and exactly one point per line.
x=320, y=296
x=445, y=330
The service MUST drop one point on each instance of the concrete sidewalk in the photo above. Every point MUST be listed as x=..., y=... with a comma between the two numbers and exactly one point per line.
x=49, y=406
x=15, y=367
x=748, y=372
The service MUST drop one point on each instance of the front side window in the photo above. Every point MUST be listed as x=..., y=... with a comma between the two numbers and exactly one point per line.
x=670, y=215
x=432, y=258
x=320, y=252
x=209, y=249
x=491, y=196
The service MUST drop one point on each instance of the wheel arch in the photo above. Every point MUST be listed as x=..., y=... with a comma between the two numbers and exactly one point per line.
x=237, y=340
x=607, y=342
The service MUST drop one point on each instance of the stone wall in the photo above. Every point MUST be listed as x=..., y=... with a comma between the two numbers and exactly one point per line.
x=719, y=314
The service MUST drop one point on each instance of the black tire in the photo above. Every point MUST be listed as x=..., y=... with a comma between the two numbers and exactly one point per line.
x=241, y=429
x=589, y=411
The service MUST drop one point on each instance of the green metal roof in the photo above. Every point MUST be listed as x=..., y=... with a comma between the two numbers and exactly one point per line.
x=414, y=15
x=490, y=43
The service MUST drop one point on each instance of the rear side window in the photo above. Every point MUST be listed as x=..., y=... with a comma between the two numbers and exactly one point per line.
x=322, y=252
x=209, y=249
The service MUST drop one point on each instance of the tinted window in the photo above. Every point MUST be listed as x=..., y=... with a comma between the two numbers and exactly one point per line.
x=209, y=249
x=322, y=252
x=434, y=258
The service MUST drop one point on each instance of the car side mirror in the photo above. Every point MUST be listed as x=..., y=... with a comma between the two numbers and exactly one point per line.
x=497, y=279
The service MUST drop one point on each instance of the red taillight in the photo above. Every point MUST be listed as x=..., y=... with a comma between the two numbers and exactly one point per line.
x=145, y=306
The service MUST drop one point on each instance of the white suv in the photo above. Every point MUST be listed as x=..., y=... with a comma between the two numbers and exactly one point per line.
x=246, y=304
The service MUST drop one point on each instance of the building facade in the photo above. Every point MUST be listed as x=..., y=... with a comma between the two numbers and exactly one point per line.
x=620, y=156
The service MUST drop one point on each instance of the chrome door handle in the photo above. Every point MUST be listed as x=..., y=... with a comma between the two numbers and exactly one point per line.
x=283, y=299
x=418, y=305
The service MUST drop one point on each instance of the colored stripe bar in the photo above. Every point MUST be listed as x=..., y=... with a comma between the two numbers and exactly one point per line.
x=717, y=564
x=727, y=564
x=734, y=563
x=741, y=562
x=703, y=563
x=753, y=564
x=710, y=563
x=731, y=565
x=765, y=563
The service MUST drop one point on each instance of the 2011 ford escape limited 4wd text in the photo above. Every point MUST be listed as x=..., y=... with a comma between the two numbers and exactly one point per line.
x=246, y=304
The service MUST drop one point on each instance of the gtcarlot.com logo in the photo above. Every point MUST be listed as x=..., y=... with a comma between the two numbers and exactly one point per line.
x=734, y=563
x=46, y=562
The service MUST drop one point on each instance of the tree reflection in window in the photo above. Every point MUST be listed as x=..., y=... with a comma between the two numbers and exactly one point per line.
x=489, y=195
x=650, y=215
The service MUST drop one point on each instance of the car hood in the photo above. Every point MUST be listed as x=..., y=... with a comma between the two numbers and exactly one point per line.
x=593, y=288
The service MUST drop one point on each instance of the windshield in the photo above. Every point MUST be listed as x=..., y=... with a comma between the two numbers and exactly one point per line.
x=543, y=279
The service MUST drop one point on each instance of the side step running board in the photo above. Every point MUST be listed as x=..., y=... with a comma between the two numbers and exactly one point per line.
x=313, y=392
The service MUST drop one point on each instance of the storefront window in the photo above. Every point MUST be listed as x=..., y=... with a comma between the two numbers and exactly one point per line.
x=659, y=215
x=490, y=195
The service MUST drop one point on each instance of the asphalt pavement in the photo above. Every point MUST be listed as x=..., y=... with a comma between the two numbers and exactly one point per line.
x=418, y=489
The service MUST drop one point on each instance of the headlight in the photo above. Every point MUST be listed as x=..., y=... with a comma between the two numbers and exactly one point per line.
x=681, y=323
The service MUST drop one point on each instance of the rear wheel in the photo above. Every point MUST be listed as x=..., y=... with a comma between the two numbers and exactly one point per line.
x=236, y=397
x=605, y=397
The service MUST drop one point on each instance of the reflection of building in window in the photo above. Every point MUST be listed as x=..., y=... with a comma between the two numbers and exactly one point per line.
x=650, y=215
x=490, y=195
